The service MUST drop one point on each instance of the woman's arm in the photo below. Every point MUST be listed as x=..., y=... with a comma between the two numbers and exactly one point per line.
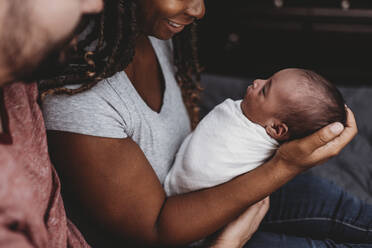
x=117, y=187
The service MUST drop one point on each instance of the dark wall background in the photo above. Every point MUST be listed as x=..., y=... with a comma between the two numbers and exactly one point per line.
x=255, y=38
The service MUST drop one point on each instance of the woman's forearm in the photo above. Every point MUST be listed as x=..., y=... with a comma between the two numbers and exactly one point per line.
x=197, y=214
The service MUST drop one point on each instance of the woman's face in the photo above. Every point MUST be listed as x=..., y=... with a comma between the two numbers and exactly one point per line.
x=165, y=18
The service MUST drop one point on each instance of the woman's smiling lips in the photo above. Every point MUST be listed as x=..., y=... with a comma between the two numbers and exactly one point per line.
x=176, y=27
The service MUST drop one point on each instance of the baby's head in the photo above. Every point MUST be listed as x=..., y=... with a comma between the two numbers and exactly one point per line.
x=293, y=103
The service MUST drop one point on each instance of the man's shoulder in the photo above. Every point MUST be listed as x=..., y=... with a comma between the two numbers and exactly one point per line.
x=23, y=116
x=22, y=90
x=20, y=102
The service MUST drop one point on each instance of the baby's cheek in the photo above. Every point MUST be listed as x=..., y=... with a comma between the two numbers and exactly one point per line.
x=246, y=109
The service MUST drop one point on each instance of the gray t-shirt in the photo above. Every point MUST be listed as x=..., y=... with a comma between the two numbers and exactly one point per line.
x=114, y=109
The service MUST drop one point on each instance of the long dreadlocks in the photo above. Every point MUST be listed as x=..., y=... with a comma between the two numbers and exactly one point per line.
x=109, y=48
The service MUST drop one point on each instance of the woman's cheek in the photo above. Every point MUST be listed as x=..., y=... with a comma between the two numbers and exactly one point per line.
x=171, y=8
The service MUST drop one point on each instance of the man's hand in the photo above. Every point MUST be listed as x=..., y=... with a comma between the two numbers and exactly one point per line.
x=238, y=232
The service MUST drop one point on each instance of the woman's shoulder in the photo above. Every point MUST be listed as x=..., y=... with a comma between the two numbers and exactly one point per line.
x=99, y=93
x=99, y=111
x=109, y=90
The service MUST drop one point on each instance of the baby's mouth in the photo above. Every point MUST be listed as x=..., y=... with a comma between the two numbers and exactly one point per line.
x=249, y=88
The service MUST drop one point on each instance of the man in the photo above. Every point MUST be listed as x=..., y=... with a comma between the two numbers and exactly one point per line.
x=31, y=208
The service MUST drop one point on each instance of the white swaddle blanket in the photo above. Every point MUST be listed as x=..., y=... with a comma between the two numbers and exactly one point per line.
x=224, y=145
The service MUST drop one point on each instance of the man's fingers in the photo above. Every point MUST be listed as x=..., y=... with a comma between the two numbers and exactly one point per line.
x=322, y=137
x=263, y=209
x=241, y=229
x=258, y=209
x=252, y=211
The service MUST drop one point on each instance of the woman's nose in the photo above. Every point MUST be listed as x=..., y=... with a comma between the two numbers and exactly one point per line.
x=196, y=8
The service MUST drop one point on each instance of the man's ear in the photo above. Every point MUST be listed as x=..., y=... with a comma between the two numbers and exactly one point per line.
x=278, y=130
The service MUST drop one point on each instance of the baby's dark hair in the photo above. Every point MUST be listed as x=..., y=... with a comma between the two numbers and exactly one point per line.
x=320, y=103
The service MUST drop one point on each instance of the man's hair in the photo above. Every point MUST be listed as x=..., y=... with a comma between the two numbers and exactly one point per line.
x=111, y=48
x=318, y=104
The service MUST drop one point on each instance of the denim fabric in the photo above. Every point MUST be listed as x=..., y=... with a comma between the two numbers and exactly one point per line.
x=312, y=212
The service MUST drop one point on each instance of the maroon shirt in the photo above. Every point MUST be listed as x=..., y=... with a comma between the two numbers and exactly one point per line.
x=31, y=208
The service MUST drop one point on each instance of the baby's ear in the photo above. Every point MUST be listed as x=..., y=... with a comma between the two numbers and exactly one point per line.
x=278, y=130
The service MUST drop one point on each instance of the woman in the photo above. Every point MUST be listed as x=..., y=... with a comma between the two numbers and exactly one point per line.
x=114, y=142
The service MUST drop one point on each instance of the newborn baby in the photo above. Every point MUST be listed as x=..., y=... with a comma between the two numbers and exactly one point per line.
x=237, y=136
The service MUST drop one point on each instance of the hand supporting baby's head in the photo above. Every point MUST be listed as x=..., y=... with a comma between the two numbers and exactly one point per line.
x=293, y=103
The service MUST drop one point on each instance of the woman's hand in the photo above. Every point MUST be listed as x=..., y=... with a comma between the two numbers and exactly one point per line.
x=238, y=232
x=317, y=148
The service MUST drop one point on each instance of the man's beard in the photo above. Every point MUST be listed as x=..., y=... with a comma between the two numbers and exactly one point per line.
x=26, y=50
x=53, y=60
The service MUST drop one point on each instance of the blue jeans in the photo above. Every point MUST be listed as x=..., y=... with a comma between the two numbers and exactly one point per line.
x=313, y=212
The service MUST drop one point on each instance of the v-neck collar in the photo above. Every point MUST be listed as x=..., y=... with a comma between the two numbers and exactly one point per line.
x=163, y=68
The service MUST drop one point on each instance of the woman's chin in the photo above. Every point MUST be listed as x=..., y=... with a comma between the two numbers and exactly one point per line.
x=163, y=35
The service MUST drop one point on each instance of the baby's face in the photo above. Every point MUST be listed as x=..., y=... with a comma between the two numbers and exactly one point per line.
x=265, y=97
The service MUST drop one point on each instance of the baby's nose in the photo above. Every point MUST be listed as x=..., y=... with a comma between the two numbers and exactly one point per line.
x=258, y=82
